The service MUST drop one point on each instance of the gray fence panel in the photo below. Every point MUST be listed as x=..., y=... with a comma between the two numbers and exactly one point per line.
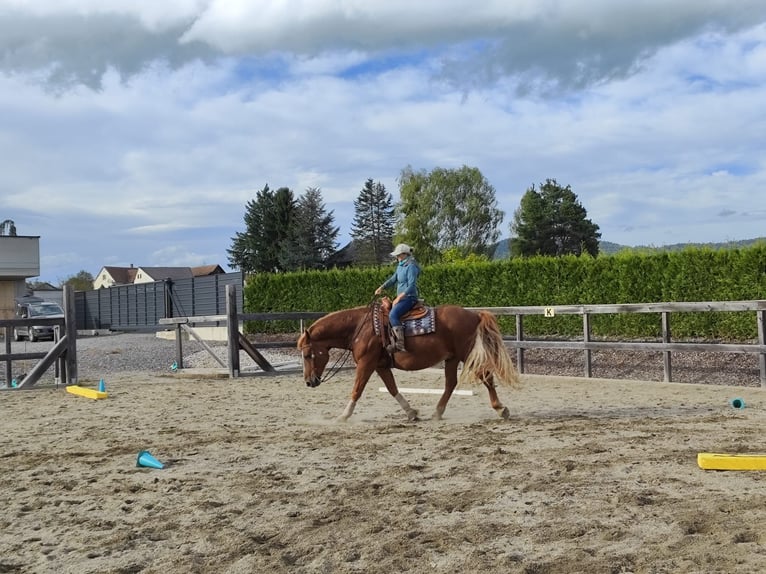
x=141, y=306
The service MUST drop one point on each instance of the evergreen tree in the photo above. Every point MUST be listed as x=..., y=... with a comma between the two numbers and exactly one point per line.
x=281, y=229
x=248, y=248
x=373, y=226
x=552, y=222
x=268, y=226
x=313, y=235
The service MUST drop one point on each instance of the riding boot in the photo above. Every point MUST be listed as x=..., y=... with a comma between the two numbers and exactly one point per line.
x=398, y=338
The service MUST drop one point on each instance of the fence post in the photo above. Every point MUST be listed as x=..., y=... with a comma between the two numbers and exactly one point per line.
x=586, y=339
x=519, y=337
x=666, y=357
x=8, y=350
x=232, y=330
x=179, y=347
x=761, y=341
x=168, y=298
x=70, y=325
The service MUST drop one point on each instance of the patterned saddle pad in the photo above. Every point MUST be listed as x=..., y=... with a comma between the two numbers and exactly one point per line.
x=422, y=321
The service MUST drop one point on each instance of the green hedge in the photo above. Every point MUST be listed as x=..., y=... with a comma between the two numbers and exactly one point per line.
x=627, y=277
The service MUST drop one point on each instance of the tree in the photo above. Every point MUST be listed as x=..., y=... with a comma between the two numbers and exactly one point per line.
x=313, y=235
x=8, y=227
x=552, y=222
x=447, y=208
x=268, y=222
x=284, y=234
x=248, y=248
x=373, y=226
x=82, y=281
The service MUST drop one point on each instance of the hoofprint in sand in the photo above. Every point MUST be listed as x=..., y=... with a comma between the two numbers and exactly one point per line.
x=586, y=476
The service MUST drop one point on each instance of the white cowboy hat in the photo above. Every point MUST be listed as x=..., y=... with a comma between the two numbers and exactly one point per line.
x=400, y=249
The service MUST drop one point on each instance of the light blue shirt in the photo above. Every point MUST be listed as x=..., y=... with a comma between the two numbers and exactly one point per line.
x=405, y=278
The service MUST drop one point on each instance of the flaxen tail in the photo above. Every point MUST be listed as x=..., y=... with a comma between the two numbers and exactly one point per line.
x=489, y=355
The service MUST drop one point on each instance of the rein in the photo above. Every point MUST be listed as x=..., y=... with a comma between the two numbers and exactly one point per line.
x=341, y=361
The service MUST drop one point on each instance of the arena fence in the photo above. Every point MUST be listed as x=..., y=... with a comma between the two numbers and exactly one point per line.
x=62, y=356
x=238, y=342
x=141, y=305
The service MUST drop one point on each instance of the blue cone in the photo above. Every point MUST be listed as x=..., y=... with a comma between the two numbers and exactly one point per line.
x=101, y=386
x=737, y=403
x=147, y=460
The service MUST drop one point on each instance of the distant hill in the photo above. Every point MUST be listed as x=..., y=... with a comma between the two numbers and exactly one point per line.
x=502, y=250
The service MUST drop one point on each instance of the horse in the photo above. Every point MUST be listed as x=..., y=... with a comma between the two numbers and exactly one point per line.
x=461, y=335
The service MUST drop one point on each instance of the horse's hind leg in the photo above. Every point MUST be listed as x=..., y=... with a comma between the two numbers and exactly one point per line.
x=494, y=400
x=450, y=382
x=388, y=378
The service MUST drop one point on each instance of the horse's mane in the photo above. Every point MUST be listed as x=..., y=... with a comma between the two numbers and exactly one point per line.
x=318, y=325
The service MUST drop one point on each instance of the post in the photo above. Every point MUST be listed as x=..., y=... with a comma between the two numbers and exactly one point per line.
x=586, y=339
x=666, y=359
x=168, y=298
x=761, y=341
x=179, y=347
x=8, y=362
x=70, y=327
x=519, y=337
x=232, y=330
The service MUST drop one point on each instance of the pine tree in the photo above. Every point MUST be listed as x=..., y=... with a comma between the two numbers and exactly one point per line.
x=268, y=226
x=373, y=226
x=552, y=222
x=313, y=238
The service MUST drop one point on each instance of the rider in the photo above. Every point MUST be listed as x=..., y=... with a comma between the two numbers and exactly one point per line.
x=406, y=280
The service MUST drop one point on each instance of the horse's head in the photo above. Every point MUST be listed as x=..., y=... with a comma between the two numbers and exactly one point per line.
x=315, y=357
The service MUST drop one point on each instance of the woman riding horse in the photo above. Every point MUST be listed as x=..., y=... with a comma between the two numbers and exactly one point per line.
x=461, y=335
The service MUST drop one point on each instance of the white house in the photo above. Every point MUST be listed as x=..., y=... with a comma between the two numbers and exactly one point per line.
x=110, y=276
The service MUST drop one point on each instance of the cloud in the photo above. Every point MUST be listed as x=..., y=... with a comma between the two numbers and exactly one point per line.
x=137, y=131
x=542, y=45
x=74, y=43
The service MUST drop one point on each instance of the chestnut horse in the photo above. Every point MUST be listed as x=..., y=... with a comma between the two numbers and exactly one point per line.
x=461, y=336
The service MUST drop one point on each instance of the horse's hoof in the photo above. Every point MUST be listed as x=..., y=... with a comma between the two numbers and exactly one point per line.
x=437, y=416
x=341, y=419
x=412, y=416
x=505, y=414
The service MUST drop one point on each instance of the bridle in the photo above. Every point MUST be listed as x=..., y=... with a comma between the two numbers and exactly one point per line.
x=340, y=362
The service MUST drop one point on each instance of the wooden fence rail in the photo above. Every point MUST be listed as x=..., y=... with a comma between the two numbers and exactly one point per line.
x=63, y=354
x=237, y=341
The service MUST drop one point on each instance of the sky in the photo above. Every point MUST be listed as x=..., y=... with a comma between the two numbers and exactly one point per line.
x=136, y=131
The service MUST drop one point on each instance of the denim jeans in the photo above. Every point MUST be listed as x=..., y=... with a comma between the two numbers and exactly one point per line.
x=401, y=308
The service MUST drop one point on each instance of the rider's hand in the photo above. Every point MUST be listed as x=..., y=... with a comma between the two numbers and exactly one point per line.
x=378, y=291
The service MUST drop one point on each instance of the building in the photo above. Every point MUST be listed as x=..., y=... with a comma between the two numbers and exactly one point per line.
x=110, y=276
x=46, y=292
x=19, y=260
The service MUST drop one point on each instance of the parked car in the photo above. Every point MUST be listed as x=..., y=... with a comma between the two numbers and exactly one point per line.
x=31, y=307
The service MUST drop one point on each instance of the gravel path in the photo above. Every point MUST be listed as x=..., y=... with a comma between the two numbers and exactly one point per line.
x=144, y=353
x=105, y=356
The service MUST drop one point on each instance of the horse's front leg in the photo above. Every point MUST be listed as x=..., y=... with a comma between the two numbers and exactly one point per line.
x=450, y=382
x=364, y=370
x=388, y=378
